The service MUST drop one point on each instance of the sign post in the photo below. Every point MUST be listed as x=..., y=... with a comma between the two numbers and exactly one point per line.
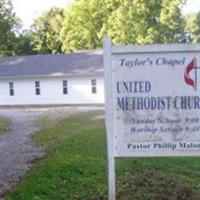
x=109, y=117
x=152, y=102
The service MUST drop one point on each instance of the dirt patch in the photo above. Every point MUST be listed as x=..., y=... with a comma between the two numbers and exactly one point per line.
x=16, y=148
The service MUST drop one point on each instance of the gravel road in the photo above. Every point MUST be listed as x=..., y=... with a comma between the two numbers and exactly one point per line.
x=17, y=152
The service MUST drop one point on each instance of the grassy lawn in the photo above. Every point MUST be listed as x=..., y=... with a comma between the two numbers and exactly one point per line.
x=4, y=125
x=75, y=168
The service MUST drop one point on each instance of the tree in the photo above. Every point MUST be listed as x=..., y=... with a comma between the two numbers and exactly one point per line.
x=46, y=31
x=193, y=26
x=8, y=26
x=127, y=21
x=146, y=22
x=82, y=24
x=23, y=44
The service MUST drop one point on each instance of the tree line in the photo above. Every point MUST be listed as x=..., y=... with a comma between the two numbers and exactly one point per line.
x=83, y=24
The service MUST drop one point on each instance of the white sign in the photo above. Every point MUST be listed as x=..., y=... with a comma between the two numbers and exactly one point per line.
x=152, y=100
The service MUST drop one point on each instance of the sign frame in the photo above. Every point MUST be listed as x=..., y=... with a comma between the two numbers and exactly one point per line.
x=108, y=51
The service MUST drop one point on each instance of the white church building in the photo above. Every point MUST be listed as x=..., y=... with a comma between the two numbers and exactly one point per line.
x=73, y=78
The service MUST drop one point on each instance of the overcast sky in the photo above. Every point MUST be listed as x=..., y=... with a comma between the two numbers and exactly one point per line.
x=27, y=10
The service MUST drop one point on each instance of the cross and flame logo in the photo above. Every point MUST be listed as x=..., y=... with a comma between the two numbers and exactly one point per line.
x=188, y=79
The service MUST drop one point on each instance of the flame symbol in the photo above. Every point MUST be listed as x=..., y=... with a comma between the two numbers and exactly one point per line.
x=187, y=78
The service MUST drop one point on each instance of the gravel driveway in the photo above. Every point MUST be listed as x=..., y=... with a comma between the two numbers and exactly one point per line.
x=17, y=152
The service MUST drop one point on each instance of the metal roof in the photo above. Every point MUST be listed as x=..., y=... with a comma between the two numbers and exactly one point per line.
x=70, y=64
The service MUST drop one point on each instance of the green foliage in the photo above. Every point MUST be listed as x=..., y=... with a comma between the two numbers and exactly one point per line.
x=193, y=26
x=196, y=30
x=4, y=125
x=144, y=22
x=83, y=25
x=23, y=44
x=75, y=167
x=127, y=21
x=46, y=31
x=8, y=25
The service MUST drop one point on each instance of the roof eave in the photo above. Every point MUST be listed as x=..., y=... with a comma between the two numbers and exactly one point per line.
x=51, y=76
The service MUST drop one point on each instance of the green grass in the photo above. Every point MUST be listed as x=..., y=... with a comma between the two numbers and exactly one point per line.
x=4, y=125
x=74, y=168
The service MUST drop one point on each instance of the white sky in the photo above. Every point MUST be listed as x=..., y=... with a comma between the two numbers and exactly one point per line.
x=192, y=6
x=27, y=10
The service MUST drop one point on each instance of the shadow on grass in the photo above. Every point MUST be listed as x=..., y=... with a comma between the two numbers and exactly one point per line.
x=147, y=183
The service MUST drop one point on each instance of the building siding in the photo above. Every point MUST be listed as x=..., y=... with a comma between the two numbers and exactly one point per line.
x=51, y=88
